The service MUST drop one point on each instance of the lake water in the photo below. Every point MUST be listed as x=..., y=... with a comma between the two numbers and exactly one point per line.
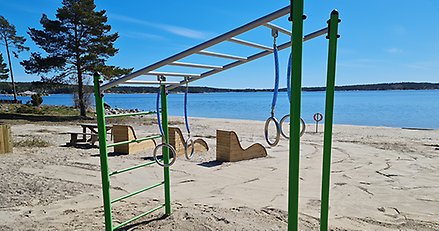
x=376, y=108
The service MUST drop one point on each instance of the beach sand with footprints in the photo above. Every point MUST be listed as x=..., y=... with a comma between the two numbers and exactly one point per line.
x=382, y=179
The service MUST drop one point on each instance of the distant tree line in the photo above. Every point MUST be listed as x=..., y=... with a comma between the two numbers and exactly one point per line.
x=61, y=88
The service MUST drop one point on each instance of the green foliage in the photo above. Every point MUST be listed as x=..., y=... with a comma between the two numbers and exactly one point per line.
x=3, y=69
x=28, y=109
x=77, y=42
x=9, y=37
x=36, y=100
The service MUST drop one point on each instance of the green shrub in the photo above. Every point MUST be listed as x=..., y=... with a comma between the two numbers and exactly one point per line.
x=28, y=109
x=36, y=100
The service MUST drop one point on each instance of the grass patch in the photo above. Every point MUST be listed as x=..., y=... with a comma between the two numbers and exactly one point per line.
x=32, y=143
x=41, y=110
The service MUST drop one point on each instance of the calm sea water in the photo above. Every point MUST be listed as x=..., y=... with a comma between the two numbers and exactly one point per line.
x=376, y=108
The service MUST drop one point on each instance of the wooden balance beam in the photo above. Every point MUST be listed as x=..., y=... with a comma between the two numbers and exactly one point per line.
x=229, y=149
x=177, y=141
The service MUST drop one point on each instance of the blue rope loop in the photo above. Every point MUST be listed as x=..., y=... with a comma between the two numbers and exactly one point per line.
x=276, y=79
x=186, y=121
x=158, y=113
x=289, y=77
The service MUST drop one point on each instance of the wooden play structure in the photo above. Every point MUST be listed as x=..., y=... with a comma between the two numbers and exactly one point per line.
x=176, y=140
x=5, y=139
x=229, y=149
x=122, y=133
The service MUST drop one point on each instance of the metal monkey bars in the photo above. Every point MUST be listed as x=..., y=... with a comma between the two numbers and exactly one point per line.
x=295, y=10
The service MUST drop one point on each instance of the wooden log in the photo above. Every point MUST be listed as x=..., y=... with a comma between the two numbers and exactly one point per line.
x=229, y=149
x=5, y=139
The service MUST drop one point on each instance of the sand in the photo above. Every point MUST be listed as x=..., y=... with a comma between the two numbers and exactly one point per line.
x=382, y=179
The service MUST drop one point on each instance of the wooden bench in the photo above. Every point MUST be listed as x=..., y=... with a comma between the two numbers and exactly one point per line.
x=74, y=138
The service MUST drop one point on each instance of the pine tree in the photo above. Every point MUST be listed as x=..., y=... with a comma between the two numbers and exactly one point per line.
x=78, y=42
x=13, y=43
x=3, y=69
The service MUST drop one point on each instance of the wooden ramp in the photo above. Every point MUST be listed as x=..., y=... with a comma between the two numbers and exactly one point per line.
x=228, y=148
x=177, y=141
x=124, y=133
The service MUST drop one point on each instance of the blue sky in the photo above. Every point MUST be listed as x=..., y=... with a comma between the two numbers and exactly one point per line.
x=381, y=41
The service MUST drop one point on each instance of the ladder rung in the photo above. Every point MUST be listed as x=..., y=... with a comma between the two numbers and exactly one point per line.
x=280, y=29
x=250, y=44
x=131, y=168
x=172, y=74
x=138, y=216
x=137, y=192
x=219, y=55
x=133, y=141
x=196, y=65
x=315, y=34
x=130, y=114
x=149, y=82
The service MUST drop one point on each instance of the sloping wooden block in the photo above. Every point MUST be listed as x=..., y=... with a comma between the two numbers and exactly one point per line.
x=126, y=132
x=229, y=149
x=177, y=141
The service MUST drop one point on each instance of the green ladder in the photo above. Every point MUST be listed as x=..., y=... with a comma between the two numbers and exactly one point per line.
x=103, y=151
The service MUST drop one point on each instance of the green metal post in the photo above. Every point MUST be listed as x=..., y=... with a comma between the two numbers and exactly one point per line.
x=102, y=133
x=296, y=14
x=327, y=143
x=165, y=151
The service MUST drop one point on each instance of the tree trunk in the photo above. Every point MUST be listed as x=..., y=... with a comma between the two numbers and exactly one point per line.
x=82, y=111
x=10, y=71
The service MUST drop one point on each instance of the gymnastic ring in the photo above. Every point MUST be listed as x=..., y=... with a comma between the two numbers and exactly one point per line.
x=267, y=124
x=172, y=149
x=282, y=121
x=189, y=142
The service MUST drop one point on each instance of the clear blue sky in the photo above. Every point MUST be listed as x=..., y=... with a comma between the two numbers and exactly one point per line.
x=381, y=41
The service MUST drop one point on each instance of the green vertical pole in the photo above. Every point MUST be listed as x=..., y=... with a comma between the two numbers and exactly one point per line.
x=165, y=151
x=103, y=152
x=327, y=143
x=296, y=15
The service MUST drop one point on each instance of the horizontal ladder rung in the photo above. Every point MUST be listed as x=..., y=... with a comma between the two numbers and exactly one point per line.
x=252, y=57
x=138, y=216
x=134, y=141
x=196, y=65
x=137, y=192
x=130, y=114
x=315, y=34
x=250, y=44
x=219, y=55
x=131, y=168
x=149, y=82
x=280, y=29
x=172, y=74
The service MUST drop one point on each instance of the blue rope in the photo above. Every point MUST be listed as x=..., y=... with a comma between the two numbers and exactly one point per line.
x=158, y=113
x=276, y=78
x=289, y=78
x=185, y=110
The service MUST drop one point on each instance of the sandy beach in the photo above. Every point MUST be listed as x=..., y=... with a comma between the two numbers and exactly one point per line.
x=382, y=179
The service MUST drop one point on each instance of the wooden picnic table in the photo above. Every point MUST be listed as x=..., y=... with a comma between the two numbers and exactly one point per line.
x=87, y=130
x=93, y=129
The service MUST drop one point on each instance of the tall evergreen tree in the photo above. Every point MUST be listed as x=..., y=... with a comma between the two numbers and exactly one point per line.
x=3, y=69
x=77, y=42
x=13, y=43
